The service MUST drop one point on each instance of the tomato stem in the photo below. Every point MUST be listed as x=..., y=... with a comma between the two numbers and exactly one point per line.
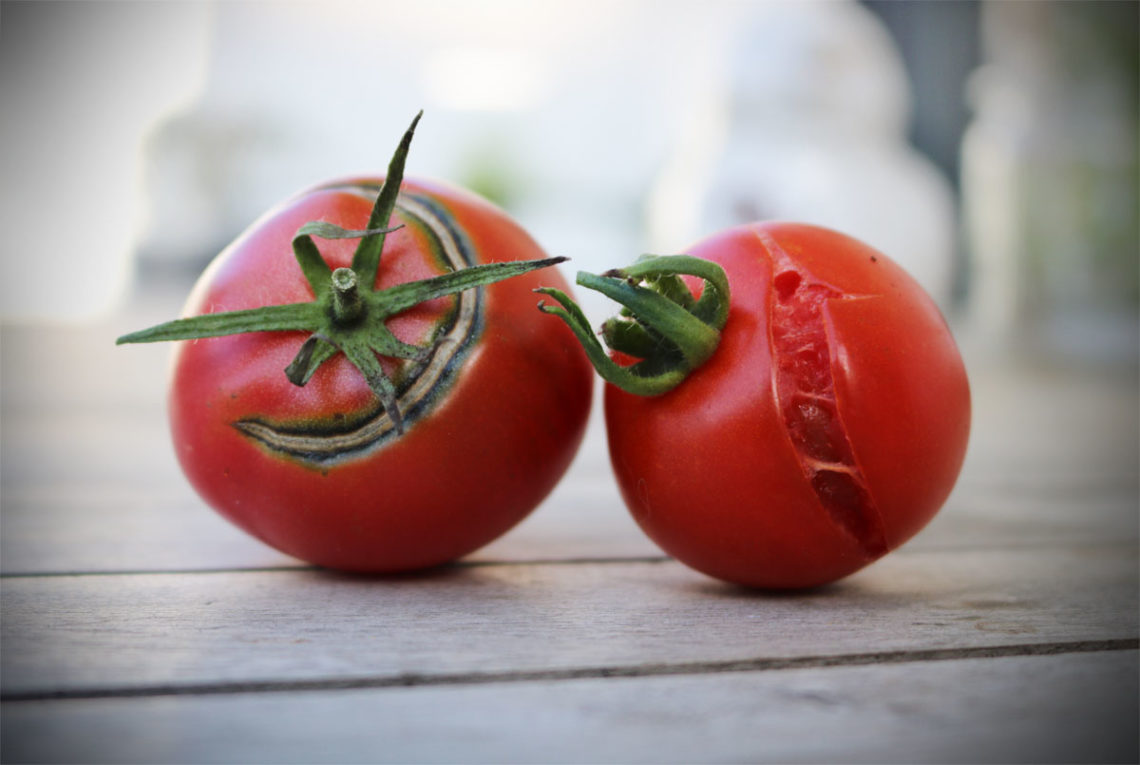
x=347, y=315
x=662, y=324
x=366, y=259
x=346, y=301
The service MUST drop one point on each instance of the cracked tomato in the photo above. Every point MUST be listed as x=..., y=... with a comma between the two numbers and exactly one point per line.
x=813, y=416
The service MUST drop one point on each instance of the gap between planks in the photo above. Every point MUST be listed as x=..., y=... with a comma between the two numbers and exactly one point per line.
x=578, y=673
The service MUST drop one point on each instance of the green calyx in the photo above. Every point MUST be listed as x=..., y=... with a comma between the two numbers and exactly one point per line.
x=348, y=315
x=663, y=325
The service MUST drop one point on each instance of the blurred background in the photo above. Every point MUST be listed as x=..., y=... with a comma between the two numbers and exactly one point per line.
x=988, y=147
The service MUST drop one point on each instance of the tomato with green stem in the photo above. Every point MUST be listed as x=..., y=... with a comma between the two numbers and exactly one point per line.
x=808, y=413
x=385, y=402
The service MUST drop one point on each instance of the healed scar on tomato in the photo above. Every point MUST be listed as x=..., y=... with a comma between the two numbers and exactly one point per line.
x=325, y=442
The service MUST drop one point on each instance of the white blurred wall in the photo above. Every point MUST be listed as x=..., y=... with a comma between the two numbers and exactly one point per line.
x=162, y=129
x=81, y=84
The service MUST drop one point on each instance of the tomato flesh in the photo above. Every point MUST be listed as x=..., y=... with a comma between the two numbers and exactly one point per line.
x=806, y=394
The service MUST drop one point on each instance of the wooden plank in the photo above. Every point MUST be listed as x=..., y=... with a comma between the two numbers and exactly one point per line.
x=70, y=509
x=1079, y=707
x=106, y=634
x=1037, y=429
x=70, y=528
x=970, y=522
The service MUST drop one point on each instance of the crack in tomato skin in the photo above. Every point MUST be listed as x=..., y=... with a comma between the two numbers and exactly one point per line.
x=805, y=395
x=794, y=487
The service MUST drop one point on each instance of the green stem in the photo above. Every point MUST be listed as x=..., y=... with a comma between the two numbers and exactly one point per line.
x=366, y=259
x=314, y=352
x=626, y=378
x=667, y=329
x=348, y=315
x=693, y=338
x=347, y=303
x=274, y=318
x=403, y=296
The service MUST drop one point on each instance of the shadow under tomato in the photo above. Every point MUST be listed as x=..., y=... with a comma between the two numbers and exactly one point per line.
x=445, y=572
x=834, y=590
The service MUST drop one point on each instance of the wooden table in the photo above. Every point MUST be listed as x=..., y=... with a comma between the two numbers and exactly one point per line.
x=138, y=626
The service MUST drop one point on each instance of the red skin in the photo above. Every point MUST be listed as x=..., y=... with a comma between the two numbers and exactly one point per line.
x=458, y=478
x=709, y=470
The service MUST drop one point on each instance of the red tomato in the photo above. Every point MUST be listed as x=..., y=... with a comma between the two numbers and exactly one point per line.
x=828, y=427
x=319, y=472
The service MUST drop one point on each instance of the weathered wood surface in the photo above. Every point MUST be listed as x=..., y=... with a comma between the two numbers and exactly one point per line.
x=148, y=629
x=158, y=633
x=1070, y=708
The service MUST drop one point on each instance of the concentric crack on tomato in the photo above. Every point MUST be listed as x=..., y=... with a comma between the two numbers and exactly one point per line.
x=805, y=393
x=323, y=442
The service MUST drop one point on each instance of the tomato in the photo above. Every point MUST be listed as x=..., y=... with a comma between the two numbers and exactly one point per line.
x=827, y=427
x=477, y=433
